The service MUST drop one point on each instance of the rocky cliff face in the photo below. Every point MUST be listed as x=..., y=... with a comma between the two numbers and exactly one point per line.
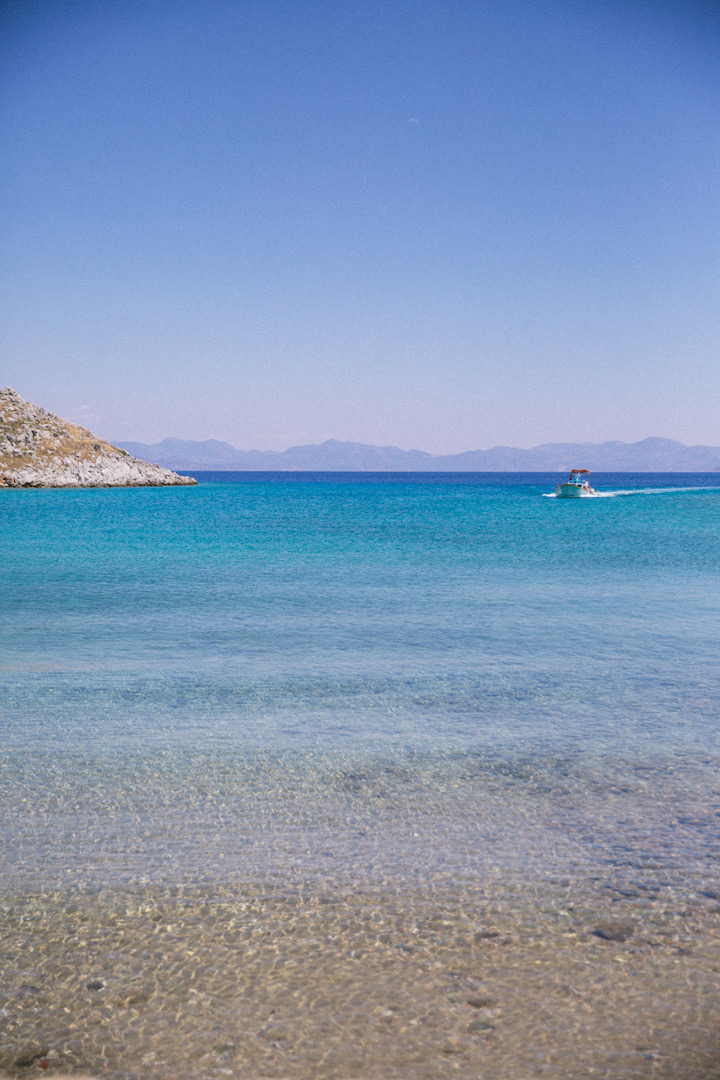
x=38, y=449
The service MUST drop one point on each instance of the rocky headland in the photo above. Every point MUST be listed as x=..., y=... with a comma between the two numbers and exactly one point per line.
x=38, y=449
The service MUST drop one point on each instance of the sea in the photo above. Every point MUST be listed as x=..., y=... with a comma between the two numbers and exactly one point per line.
x=361, y=776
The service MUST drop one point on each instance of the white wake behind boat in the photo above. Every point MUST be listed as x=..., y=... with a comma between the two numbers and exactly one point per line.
x=577, y=486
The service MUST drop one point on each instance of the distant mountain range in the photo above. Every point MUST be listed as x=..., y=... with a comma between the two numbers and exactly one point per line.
x=648, y=455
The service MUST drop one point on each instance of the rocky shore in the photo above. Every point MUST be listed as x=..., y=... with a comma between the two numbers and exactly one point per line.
x=38, y=449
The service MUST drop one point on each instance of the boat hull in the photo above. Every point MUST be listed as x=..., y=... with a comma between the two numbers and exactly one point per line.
x=573, y=491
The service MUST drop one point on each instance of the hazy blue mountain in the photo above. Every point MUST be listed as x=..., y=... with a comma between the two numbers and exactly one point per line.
x=648, y=455
x=209, y=453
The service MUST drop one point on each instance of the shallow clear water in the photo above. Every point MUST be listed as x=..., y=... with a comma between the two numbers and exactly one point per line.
x=388, y=700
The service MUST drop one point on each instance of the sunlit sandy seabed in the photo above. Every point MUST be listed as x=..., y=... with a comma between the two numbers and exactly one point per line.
x=375, y=918
x=381, y=806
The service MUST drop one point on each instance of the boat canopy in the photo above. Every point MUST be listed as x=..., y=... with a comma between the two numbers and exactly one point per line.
x=579, y=472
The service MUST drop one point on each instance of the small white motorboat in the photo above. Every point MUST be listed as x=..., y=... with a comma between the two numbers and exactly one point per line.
x=576, y=486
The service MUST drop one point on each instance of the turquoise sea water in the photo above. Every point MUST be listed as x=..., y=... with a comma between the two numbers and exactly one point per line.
x=361, y=777
x=405, y=630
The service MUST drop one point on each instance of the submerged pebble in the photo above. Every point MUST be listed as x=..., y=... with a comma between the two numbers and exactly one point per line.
x=30, y=1055
x=614, y=930
x=481, y=1025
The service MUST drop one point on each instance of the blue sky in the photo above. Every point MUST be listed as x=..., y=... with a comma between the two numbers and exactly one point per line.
x=442, y=225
